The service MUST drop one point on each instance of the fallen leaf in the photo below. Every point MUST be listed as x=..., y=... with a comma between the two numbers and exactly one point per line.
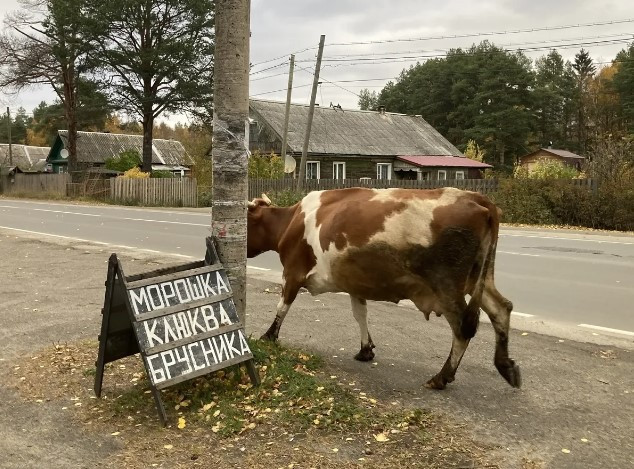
x=524, y=333
x=251, y=426
x=181, y=423
x=316, y=421
x=566, y=451
x=168, y=446
x=335, y=450
x=115, y=433
x=217, y=413
x=585, y=440
x=381, y=437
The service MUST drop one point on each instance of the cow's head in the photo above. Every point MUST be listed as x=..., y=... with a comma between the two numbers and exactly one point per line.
x=258, y=233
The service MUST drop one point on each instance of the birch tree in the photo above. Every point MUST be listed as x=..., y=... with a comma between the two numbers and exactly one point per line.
x=230, y=144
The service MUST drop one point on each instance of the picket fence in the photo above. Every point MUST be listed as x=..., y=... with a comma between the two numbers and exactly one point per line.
x=168, y=192
x=35, y=184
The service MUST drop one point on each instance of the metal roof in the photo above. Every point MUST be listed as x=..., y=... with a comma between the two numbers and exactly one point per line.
x=426, y=161
x=563, y=153
x=96, y=147
x=353, y=132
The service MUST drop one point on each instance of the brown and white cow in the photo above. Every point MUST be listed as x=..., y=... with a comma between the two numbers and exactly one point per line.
x=432, y=247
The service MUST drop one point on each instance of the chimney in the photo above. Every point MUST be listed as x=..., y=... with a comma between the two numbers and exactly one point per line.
x=381, y=110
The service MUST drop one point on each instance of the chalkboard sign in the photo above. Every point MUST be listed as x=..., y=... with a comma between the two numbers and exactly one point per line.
x=182, y=320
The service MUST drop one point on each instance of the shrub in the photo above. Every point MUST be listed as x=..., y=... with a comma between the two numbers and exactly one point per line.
x=161, y=174
x=126, y=160
x=265, y=166
x=135, y=173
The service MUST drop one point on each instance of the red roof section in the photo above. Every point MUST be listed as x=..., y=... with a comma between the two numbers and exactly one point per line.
x=451, y=161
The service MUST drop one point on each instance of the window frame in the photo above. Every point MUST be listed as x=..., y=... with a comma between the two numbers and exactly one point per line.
x=389, y=171
x=334, y=169
x=461, y=173
x=444, y=173
x=318, y=163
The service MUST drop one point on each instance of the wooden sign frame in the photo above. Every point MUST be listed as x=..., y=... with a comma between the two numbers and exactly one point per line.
x=122, y=334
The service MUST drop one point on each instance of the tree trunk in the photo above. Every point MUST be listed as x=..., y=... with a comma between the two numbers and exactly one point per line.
x=229, y=152
x=148, y=128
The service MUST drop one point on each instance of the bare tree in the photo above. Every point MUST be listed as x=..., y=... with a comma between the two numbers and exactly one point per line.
x=42, y=45
x=230, y=141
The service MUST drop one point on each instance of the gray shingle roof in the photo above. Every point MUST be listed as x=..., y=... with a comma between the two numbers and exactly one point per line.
x=25, y=157
x=563, y=153
x=353, y=132
x=96, y=147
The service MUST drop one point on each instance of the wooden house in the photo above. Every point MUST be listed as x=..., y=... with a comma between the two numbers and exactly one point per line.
x=94, y=148
x=353, y=144
x=563, y=156
x=24, y=158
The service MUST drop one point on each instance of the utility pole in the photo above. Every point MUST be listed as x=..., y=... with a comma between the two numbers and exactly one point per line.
x=288, y=108
x=311, y=112
x=230, y=147
x=9, y=134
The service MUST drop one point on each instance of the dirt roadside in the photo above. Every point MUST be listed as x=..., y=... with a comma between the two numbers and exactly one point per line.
x=53, y=292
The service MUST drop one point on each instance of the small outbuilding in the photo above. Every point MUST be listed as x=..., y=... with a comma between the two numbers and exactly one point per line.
x=563, y=156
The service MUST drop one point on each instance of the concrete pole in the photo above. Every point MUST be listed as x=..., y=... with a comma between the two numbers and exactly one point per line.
x=288, y=107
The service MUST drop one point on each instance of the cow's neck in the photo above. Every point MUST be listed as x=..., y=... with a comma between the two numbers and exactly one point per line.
x=277, y=219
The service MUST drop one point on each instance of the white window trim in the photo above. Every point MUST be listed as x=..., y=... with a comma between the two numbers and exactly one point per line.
x=444, y=173
x=389, y=170
x=318, y=163
x=461, y=173
x=334, y=172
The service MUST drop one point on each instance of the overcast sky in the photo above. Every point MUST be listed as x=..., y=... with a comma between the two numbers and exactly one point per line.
x=281, y=27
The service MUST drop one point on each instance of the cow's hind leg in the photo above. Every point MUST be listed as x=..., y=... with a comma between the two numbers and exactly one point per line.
x=289, y=293
x=499, y=310
x=360, y=313
x=458, y=347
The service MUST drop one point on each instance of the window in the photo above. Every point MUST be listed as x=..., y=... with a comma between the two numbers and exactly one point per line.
x=384, y=170
x=339, y=170
x=442, y=174
x=459, y=174
x=425, y=176
x=312, y=170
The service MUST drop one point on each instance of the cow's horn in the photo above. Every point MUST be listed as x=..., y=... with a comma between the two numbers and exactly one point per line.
x=251, y=203
x=266, y=199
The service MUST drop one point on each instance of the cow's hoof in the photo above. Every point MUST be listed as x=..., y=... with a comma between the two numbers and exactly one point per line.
x=437, y=382
x=511, y=373
x=365, y=354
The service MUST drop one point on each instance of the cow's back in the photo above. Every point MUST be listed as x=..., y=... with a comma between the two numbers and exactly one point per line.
x=379, y=243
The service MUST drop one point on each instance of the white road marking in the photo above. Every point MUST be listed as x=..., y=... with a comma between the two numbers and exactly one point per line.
x=257, y=268
x=118, y=218
x=523, y=315
x=101, y=243
x=606, y=329
x=107, y=207
x=566, y=239
x=519, y=253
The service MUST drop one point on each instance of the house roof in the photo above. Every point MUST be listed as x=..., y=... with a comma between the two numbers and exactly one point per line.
x=455, y=162
x=560, y=153
x=353, y=132
x=96, y=147
x=26, y=157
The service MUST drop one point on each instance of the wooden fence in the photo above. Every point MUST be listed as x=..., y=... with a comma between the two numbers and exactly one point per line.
x=35, y=184
x=259, y=186
x=168, y=192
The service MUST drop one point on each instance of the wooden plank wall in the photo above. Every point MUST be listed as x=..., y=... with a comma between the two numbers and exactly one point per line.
x=169, y=192
x=35, y=184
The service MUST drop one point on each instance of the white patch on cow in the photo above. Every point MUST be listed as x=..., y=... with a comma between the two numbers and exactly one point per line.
x=412, y=225
x=320, y=276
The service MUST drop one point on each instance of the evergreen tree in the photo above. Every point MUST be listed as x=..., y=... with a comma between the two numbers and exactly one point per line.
x=585, y=69
x=624, y=84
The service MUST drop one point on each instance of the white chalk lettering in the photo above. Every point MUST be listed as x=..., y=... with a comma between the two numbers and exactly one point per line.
x=156, y=374
x=232, y=350
x=181, y=326
x=196, y=293
x=224, y=317
x=183, y=359
x=193, y=321
x=207, y=352
x=244, y=346
x=171, y=294
x=171, y=362
x=181, y=289
x=152, y=338
x=139, y=299
x=221, y=352
x=157, y=296
x=221, y=283
x=193, y=356
x=206, y=285
x=207, y=312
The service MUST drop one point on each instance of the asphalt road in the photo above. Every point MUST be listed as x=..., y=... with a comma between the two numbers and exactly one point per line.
x=576, y=279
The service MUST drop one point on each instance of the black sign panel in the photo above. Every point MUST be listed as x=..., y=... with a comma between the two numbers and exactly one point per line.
x=181, y=319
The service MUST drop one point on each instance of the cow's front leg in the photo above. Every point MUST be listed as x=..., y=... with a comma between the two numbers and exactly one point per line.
x=458, y=348
x=360, y=313
x=289, y=293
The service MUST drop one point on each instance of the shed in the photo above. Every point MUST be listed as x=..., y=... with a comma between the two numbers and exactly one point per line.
x=564, y=156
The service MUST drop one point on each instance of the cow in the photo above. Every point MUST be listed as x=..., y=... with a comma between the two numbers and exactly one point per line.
x=432, y=247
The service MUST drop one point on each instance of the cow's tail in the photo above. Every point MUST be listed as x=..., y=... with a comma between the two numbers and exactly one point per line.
x=471, y=317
